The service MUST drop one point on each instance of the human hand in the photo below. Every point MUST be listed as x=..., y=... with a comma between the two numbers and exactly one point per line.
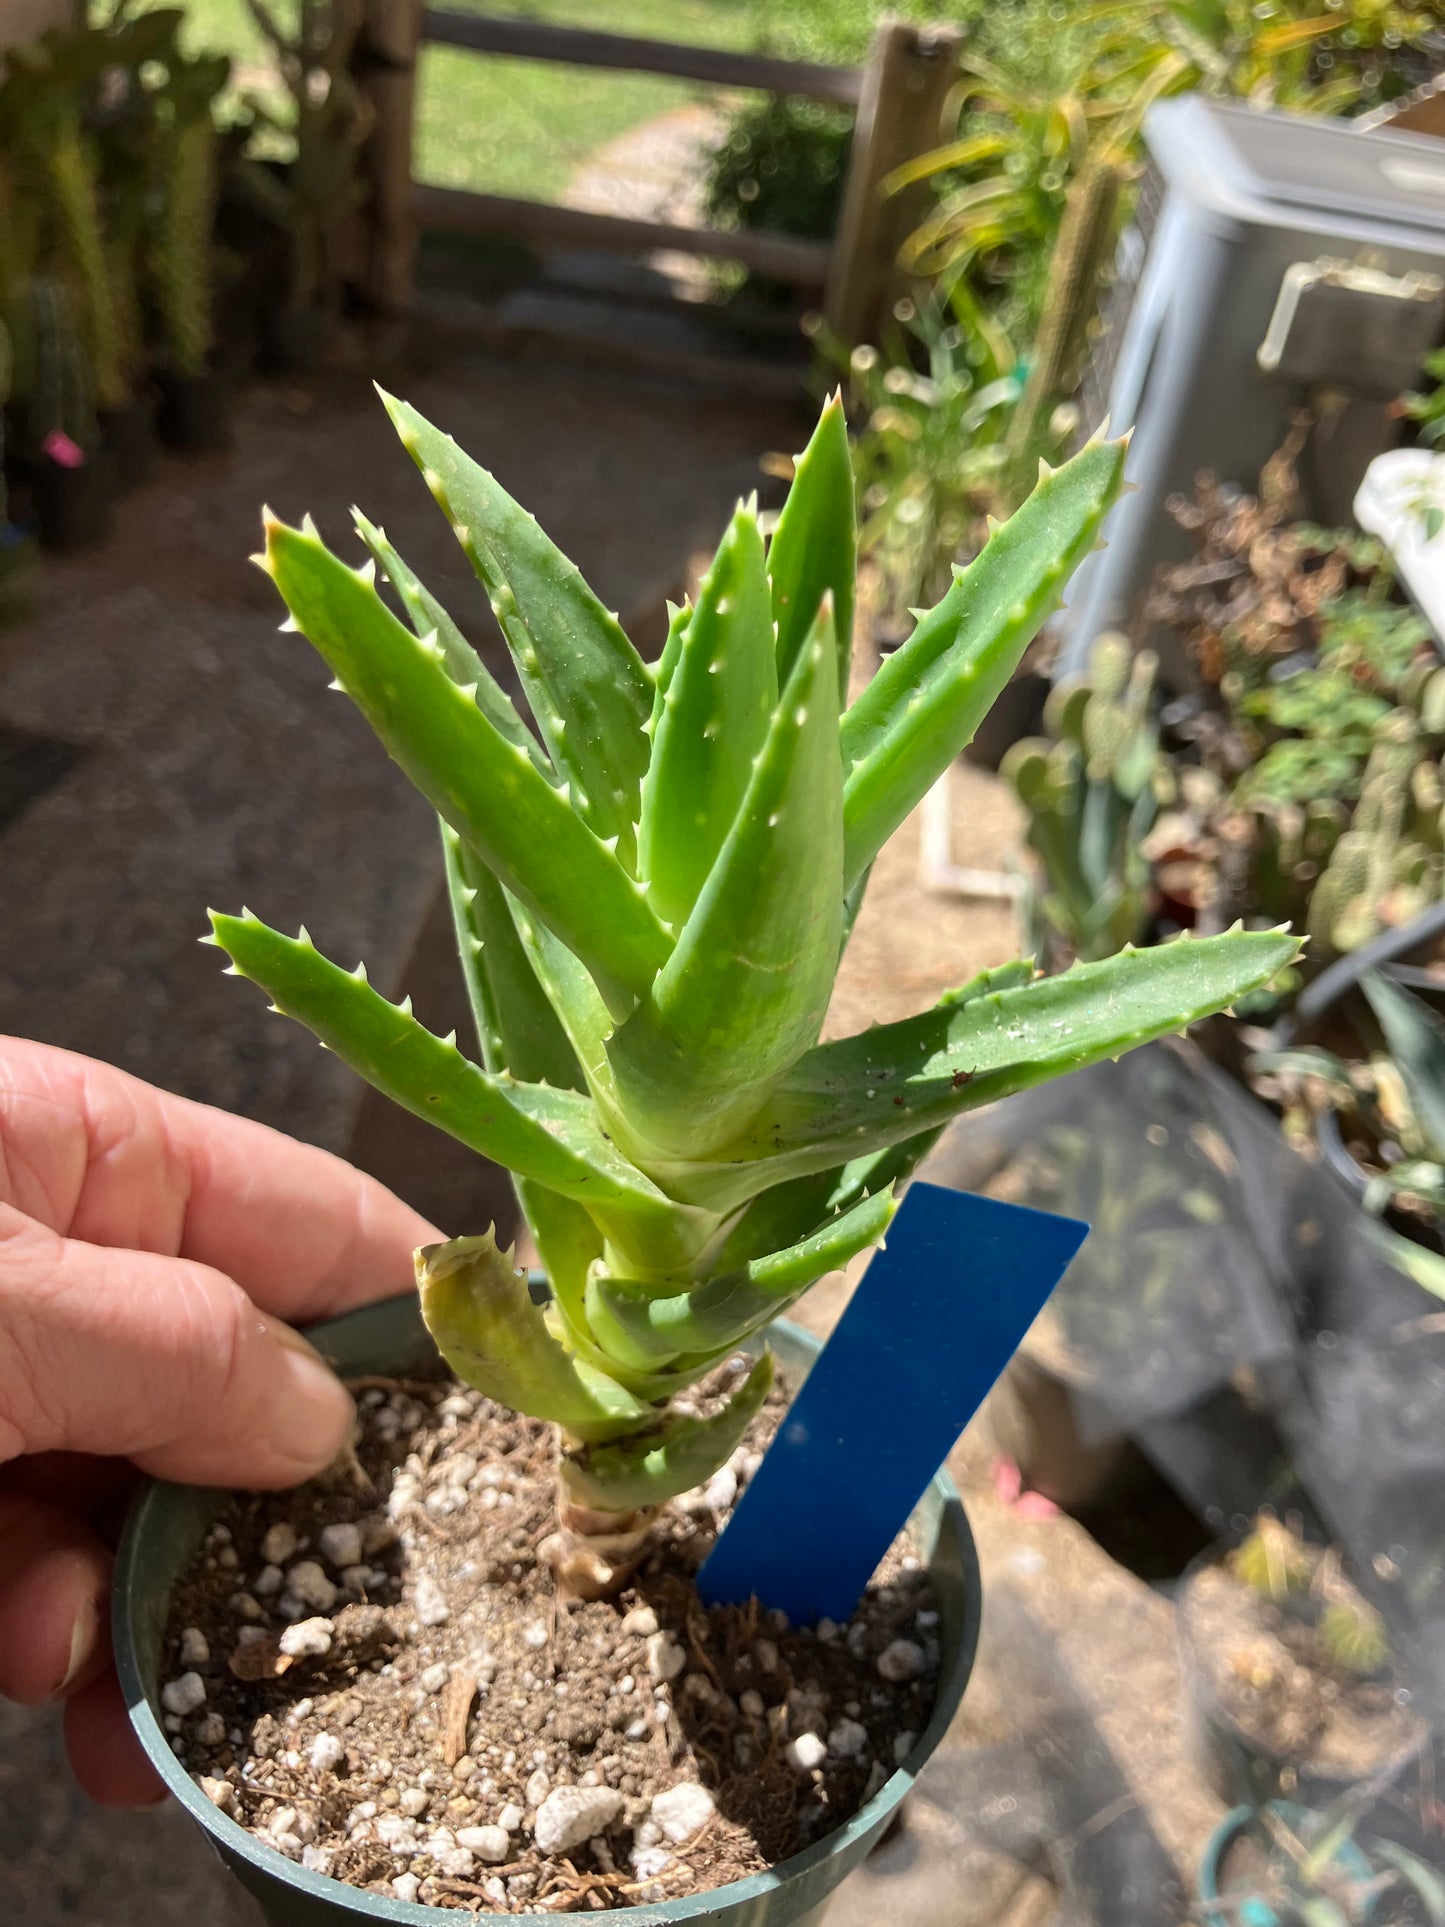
x=150, y=1250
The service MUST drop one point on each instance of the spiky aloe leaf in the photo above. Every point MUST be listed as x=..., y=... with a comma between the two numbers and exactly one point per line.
x=516, y=1023
x=636, y=1324
x=589, y=689
x=922, y=708
x=863, y=1093
x=574, y=997
x=677, y=1453
x=790, y=1211
x=814, y=550
x=486, y=787
x=547, y=1135
x=478, y=1308
x=721, y=691
x=747, y=985
x=465, y=667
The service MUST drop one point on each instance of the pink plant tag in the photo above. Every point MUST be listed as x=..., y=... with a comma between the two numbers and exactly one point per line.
x=62, y=450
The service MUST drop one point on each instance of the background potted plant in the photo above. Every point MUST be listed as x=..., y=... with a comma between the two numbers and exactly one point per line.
x=651, y=893
x=1293, y=1688
x=315, y=194
x=193, y=413
x=1287, y=1866
x=1092, y=790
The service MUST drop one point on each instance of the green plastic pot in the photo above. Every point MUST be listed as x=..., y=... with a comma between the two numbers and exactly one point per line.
x=169, y=1522
x=1221, y=1908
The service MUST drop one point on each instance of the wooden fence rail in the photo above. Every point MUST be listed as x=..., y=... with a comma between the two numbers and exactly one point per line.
x=582, y=47
x=900, y=98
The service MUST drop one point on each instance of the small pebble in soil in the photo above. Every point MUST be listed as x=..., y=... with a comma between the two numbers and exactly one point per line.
x=900, y=1661
x=195, y=1649
x=279, y=1543
x=431, y=1604
x=903, y=1745
x=492, y=1844
x=683, y=1810
x=665, y=1658
x=641, y=1622
x=571, y=1814
x=307, y=1639
x=269, y=1580
x=510, y=1817
x=340, y=1545
x=326, y=1753
x=807, y=1751
x=847, y=1739
x=406, y=1887
x=184, y=1695
x=721, y=1490
x=307, y=1582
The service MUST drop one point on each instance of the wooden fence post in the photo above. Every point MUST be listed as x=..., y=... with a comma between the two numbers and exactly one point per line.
x=906, y=85
x=387, y=73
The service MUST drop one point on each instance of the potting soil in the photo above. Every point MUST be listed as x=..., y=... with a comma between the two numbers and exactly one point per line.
x=376, y=1676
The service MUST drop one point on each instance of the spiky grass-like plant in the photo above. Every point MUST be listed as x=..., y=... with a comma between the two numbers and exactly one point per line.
x=652, y=886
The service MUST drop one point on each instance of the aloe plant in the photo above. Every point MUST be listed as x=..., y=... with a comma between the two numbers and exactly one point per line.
x=652, y=886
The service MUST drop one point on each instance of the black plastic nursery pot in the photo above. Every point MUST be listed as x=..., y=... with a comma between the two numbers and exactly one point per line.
x=73, y=504
x=169, y=1522
x=195, y=413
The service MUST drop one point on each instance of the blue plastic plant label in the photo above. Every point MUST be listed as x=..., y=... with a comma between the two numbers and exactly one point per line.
x=934, y=1320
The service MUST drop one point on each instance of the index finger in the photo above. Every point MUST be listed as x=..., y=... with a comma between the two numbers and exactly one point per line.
x=98, y=1155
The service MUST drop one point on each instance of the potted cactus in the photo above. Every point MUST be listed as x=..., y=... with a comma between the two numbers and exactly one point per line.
x=652, y=887
x=193, y=413
x=314, y=198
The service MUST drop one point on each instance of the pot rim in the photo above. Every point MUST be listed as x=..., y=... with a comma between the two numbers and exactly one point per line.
x=356, y=1903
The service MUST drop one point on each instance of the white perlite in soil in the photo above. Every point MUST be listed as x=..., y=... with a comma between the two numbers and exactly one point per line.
x=391, y=1693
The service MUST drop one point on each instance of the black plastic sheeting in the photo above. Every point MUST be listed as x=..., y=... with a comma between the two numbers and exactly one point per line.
x=1230, y=1313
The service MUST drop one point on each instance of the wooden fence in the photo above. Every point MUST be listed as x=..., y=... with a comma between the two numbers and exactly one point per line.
x=900, y=97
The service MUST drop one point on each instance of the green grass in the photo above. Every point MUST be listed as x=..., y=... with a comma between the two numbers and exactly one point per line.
x=518, y=126
x=523, y=126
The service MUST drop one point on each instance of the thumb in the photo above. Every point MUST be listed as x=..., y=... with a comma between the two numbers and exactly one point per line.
x=160, y=1360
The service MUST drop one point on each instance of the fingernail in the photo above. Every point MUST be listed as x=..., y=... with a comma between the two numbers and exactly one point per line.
x=313, y=1409
x=83, y=1635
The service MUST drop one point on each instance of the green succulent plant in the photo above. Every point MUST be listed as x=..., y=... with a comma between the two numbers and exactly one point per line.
x=652, y=888
x=1092, y=789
